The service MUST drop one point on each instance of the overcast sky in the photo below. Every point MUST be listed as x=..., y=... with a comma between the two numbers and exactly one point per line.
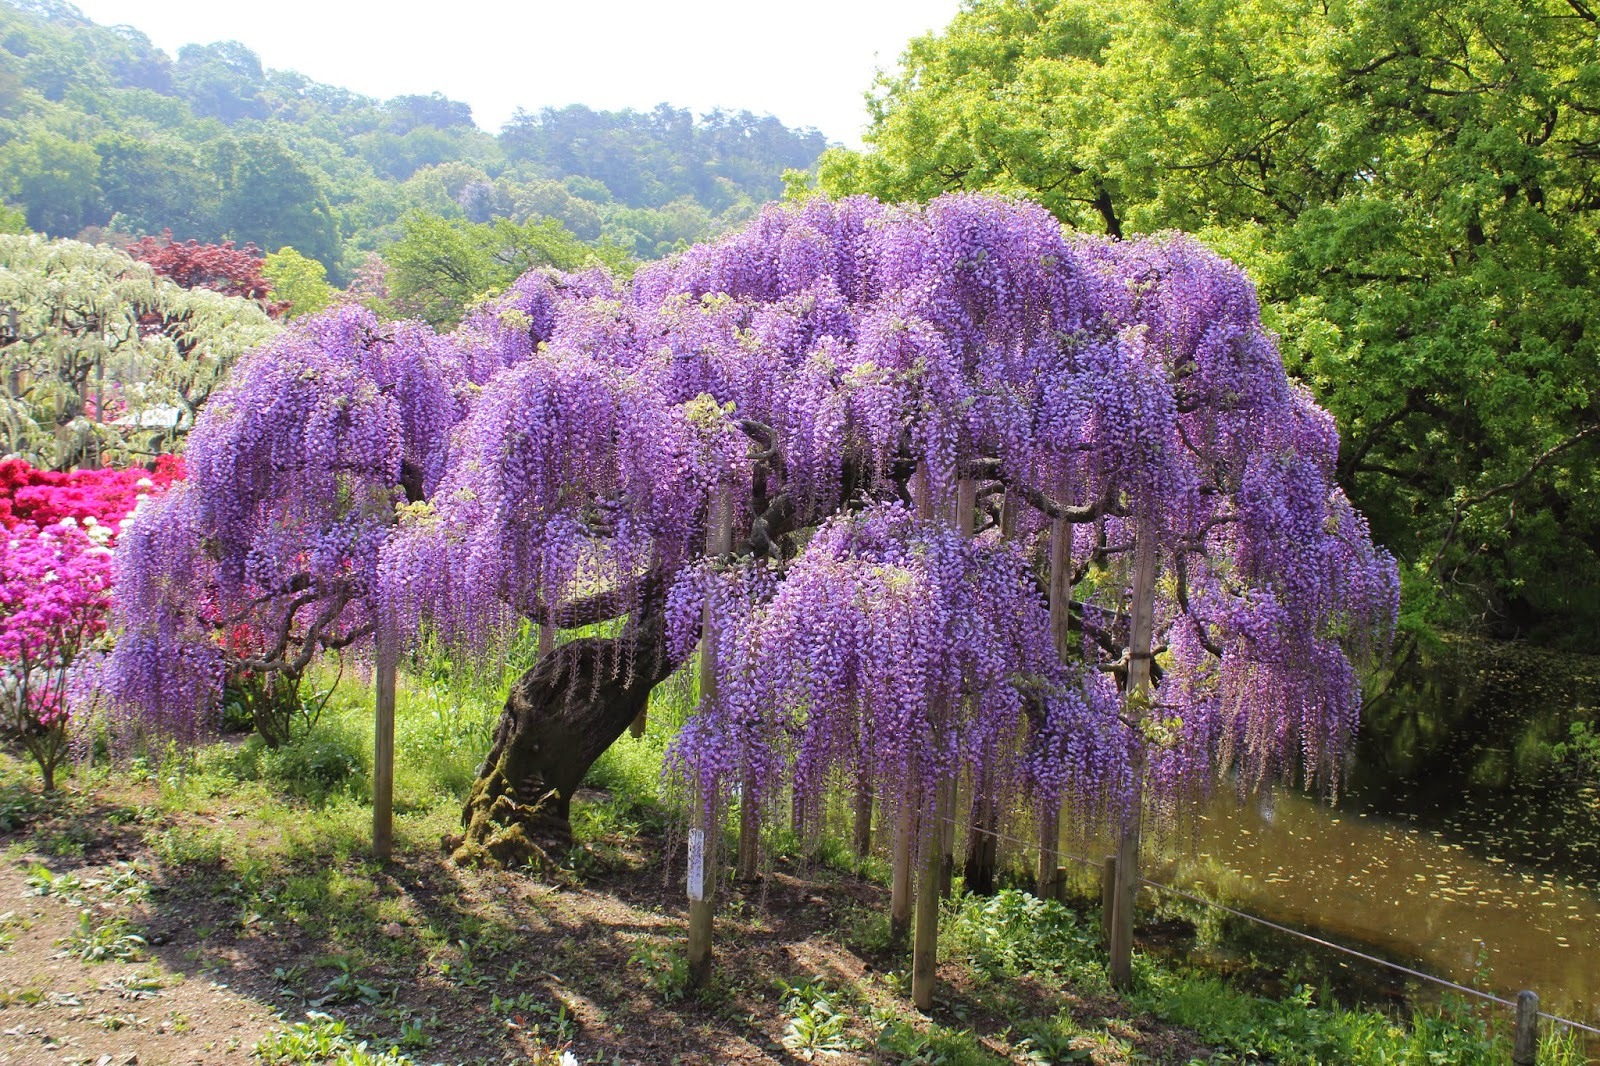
x=807, y=63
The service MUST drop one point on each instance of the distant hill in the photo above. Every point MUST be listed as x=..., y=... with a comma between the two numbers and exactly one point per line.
x=100, y=130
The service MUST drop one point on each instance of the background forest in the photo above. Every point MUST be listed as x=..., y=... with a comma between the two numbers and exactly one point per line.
x=102, y=131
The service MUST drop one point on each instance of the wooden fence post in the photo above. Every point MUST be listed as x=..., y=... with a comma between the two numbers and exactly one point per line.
x=925, y=949
x=749, y=833
x=1525, y=1048
x=906, y=825
x=384, y=669
x=705, y=834
x=966, y=523
x=1140, y=625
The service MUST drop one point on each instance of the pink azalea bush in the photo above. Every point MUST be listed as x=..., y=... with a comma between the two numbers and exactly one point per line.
x=57, y=531
x=55, y=595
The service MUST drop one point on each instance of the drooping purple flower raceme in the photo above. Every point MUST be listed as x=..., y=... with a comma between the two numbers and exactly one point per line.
x=268, y=554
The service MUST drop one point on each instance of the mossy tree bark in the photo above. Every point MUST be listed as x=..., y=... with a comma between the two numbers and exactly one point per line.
x=560, y=716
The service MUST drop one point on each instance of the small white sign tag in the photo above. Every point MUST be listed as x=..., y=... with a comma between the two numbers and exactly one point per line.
x=697, y=865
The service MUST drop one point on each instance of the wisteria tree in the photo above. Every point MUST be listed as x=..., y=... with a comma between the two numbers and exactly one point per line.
x=947, y=498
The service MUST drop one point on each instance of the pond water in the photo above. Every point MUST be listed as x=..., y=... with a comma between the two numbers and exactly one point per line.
x=1461, y=847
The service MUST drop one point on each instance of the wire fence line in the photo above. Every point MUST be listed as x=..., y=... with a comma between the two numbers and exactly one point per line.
x=1084, y=860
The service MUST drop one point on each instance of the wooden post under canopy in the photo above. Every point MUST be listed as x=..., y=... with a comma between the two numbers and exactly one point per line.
x=1140, y=631
x=925, y=948
x=384, y=670
x=704, y=834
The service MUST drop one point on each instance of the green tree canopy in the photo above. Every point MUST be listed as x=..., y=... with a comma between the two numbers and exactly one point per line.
x=274, y=199
x=1414, y=186
x=441, y=266
x=300, y=282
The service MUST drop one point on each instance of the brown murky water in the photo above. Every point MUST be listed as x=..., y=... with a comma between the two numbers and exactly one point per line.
x=1463, y=848
x=1413, y=894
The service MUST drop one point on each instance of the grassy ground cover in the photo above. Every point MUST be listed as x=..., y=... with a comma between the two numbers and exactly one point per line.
x=220, y=907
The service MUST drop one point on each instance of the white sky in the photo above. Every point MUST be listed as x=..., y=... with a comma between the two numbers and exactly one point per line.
x=809, y=63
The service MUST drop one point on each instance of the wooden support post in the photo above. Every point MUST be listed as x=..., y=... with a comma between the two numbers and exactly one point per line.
x=749, y=833
x=1044, y=882
x=863, y=826
x=925, y=950
x=921, y=493
x=705, y=833
x=906, y=827
x=905, y=839
x=1108, y=895
x=966, y=522
x=1044, y=878
x=983, y=846
x=947, y=839
x=1140, y=628
x=1525, y=1047
x=383, y=669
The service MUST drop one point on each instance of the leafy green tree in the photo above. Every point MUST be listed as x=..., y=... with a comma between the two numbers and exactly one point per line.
x=222, y=80
x=156, y=184
x=274, y=199
x=300, y=282
x=441, y=266
x=1415, y=186
x=55, y=178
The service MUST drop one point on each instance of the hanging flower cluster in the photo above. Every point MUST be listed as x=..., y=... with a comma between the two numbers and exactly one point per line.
x=295, y=469
x=897, y=653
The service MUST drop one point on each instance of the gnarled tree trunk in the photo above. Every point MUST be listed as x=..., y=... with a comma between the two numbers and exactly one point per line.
x=561, y=715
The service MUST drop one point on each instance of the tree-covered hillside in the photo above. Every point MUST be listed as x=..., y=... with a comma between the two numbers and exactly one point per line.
x=99, y=129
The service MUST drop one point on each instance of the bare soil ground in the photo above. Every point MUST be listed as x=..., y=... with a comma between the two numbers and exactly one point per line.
x=125, y=939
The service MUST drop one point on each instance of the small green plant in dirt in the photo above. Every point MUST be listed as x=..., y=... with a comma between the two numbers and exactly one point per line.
x=43, y=881
x=323, y=1041
x=546, y=1022
x=904, y=1043
x=665, y=969
x=1013, y=933
x=414, y=1035
x=816, y=1021
x=9, y=923
x=127, y=884
x=347, y=986
x=146, y=984
x=103, y=941
x=1052, y=1043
